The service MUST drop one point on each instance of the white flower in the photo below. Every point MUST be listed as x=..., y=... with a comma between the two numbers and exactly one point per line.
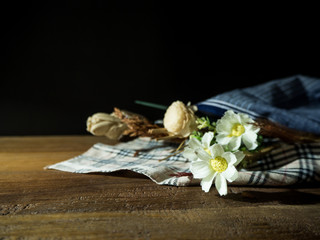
x=232, y=129
x=194, y=144
x=216, y=164
x=102, y=124
x=179, y=120
x=211, y=163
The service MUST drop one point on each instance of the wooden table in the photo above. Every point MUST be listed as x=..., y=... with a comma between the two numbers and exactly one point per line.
x=48, y=204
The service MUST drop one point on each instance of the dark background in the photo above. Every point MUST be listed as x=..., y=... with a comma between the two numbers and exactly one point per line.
x=62, y=63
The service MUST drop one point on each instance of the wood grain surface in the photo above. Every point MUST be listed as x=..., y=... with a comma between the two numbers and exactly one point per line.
x=48, y=204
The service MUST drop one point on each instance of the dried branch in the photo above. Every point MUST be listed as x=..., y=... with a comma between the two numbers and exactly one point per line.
x=139, y=125
x=275, y=130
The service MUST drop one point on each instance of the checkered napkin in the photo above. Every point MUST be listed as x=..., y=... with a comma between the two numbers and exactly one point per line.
x=285, y=165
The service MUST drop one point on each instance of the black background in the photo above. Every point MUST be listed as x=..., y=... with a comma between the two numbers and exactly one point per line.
x=62, y=63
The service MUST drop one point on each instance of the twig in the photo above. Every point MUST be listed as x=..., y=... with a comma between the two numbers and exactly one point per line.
x=171, y=155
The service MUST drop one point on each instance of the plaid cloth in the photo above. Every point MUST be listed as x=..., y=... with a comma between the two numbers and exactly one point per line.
x=285, y=165
x=141, y=155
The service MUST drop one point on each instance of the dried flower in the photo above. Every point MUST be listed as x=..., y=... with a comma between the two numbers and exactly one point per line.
x=179, y=120
x=138, y=125
x=102, y=124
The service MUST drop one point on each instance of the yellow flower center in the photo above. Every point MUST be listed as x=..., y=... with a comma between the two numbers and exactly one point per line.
x=237, y=130
x=219, y=164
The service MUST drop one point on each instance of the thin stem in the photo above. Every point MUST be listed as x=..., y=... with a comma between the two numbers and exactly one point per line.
x=153, y=105
x=171, y=155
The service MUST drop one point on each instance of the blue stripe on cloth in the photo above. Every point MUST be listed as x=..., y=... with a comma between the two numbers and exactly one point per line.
x=293, y=102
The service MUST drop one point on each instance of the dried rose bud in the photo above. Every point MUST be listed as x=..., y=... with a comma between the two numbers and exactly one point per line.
x=102, y=124
x=180, y=120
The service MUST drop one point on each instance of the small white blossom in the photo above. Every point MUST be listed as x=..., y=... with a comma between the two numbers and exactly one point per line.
x=233, y=129
x=194, y=144
x=211, y=163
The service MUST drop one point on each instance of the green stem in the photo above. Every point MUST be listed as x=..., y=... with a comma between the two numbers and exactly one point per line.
x=149, y=104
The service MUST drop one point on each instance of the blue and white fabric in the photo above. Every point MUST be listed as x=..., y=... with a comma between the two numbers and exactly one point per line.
x=293, y=102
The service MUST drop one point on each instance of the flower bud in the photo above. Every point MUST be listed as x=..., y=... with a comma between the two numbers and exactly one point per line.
x=102, y=124
x=179, y=120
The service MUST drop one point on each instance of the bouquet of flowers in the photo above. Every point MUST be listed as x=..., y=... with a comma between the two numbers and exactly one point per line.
x=216, y=148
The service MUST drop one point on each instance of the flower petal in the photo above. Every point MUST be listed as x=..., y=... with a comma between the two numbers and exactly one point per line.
x=223, y=139
x=230, y=157
x=194, y=143
x=244, y=118
x=206, y=183
x=234, y=143
x=240, y=156
x=221, y=185
x=251, y=127
x=249, y=139
x=206, y=139
x=203, y=155
x=189, y=154
x=230, y=174
x=200, y=169
x=229, y=115
x=223, y=126
x=216, y=150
